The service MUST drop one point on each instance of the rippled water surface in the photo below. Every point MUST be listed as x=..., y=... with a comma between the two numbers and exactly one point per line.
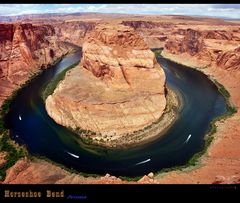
x=30, y=124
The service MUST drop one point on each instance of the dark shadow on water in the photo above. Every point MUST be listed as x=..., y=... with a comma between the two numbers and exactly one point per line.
x=202, y=103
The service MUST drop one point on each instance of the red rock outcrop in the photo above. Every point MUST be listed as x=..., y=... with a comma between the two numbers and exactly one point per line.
x=117, y=89
x=229, y=60
x=140, y=24
x=220, y=35
x=191, y=46
x=191, y=43
x=42, y=172
x=221, y=163
x=73, y=31
x=154, y=33
x=24, y=50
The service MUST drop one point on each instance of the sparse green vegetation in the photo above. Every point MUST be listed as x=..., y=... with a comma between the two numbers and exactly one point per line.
x=212, y=129
x=4, y=110
x=230, y=109
x=194, y=160
x=222, y=89
x=208, y=140
x=71, y=170
x=158, y=52
x=130, y=178
x=83, y=136
x=51, y=86
x=13, y=153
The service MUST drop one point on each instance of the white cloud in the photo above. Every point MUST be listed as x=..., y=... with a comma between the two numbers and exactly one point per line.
x=63, y=5
x=69, y=10
x=222, y=9
x=184, y=9
x=18, y=9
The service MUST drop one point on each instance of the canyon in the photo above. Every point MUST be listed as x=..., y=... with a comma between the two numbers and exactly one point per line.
x=25, y=50
x=208, y=44
x=118, y=88
x=73, y=31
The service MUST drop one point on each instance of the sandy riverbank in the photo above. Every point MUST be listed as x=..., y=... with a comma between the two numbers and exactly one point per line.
x=214, y=165
x=221, y=162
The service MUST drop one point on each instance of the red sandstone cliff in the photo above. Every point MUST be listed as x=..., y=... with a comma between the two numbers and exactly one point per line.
x=229, y=60
x=118, y=88
x=203, y=48
x=154, y=33
x=24, y=50
x=221, y=163
x=73, y=31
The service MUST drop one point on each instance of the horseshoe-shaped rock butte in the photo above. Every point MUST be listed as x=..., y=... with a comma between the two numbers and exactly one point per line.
x=117, y=90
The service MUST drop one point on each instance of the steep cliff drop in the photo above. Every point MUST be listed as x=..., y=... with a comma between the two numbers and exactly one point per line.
x=117, y=90
x=221, y=163
x=216, y=53
x=25, y=49
x=73, y=31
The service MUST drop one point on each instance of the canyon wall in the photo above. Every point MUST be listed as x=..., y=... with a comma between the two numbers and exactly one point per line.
x=25, y=49
x=73, y=31
x=154, y=33
x=203, y=48
x=217, y=54
x=118, y=88
x=218, y=39
x=229, y=60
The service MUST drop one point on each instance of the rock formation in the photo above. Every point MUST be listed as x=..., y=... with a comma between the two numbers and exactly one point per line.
x=154, y=33
x=117, y=89
x=25, y=49
x=202, y=48
x=73, y=31
x=220, y=35
x=191, y=43
x=221, y=38
x=229, y=60
x=223, y=65
x=42, y=172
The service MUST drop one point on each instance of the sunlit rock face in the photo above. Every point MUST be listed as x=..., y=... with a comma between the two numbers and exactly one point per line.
x=73, y=31
x=24, y=49
x=117, y=88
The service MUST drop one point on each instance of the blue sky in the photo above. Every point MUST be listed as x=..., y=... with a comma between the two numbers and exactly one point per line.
x=223, y=10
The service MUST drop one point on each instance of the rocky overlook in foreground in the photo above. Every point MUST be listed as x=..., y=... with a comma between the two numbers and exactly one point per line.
x=220, y=39
x=117, y=89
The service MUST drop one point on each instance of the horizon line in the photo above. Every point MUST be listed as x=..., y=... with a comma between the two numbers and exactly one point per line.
x=132, y=14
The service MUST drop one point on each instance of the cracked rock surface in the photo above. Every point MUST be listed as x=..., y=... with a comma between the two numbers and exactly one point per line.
x=117, y=88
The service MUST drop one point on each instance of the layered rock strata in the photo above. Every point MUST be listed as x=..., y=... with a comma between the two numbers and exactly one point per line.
x=220, y=164
x=203, y=48
x=73, y=31
x=25, y=49
x=117, y=89
x=229, y=60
